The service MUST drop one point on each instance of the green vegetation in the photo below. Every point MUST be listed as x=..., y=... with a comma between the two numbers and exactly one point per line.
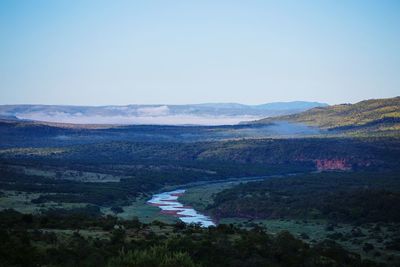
x=153, y=256
x=123, y=173
x=139, y=209
x=378, y=115
x=23, y=202
x=382, y=236
x=357, y=210
x=187, y=162
x=361, y=197
x=32, y=240
x=200, y=197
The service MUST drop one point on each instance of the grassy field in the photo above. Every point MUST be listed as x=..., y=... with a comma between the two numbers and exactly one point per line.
x=145, y=213
x=21, y=201
x=200, y=197
x=66, y=174
x=350, y=237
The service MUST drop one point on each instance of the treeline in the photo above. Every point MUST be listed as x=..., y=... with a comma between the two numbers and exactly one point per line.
x=360, y=153
x=35, y=134
x=136, y=179
x=342, y=197
x=146, y=167
x=72, y=191
x=119, y=243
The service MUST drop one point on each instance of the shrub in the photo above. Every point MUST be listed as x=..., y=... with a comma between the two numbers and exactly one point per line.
x=158, y=256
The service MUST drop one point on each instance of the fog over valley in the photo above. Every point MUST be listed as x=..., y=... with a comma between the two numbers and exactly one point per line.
x=196, y=114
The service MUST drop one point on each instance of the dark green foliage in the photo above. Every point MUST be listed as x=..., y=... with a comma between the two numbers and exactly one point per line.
x=37, y=134
x=16, y=249
x=159, y=256
x=65, y=219
x=117, y=209
x=213, y=159
x=89, y=210
x=71, y=191
x=347, y=197
x=368, y=247
x=332, y=250
x=393, y=244
x=130, y=243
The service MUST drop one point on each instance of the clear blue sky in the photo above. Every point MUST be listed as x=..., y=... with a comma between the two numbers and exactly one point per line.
x=174, y=52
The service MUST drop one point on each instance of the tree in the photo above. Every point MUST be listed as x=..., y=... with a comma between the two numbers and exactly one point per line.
x=158, y=256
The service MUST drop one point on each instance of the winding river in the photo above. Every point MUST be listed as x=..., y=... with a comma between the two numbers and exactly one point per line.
x=169, y=204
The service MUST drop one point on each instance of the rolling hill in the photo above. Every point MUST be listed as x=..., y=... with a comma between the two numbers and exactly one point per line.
x=372, y=115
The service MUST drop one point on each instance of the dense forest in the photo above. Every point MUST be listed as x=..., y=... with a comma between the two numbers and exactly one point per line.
x=361, y=197
x=120, y=171
x=358, y=152
x=59, y=239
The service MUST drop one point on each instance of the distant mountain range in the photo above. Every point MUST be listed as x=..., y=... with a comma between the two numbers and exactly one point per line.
x=196, y=114
x=368, y=115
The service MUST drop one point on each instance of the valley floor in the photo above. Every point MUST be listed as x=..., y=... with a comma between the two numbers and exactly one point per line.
x=370, y=240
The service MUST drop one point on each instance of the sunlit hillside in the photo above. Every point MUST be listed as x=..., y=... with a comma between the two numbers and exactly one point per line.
x=383, y=114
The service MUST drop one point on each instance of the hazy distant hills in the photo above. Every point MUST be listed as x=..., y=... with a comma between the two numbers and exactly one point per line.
x=196, y=114
x=282, y=118
x=368, y=115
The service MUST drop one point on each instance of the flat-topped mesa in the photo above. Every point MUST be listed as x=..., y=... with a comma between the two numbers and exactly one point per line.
x=332, y=165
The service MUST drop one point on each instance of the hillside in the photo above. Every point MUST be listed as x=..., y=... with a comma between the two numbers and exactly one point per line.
x=374, y=114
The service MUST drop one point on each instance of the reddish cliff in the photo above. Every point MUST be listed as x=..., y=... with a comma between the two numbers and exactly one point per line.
x=332, y=164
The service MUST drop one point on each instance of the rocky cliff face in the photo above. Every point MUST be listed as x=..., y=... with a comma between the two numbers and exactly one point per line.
x=332, y=164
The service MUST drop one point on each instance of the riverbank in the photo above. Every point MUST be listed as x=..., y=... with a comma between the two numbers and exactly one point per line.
x=168, y=203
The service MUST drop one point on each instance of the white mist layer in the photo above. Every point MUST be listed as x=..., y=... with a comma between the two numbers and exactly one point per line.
x=146, y=116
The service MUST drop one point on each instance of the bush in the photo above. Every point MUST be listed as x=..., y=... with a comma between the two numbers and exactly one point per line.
x=117, y=209
x=368, y=247
x=158, y=256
